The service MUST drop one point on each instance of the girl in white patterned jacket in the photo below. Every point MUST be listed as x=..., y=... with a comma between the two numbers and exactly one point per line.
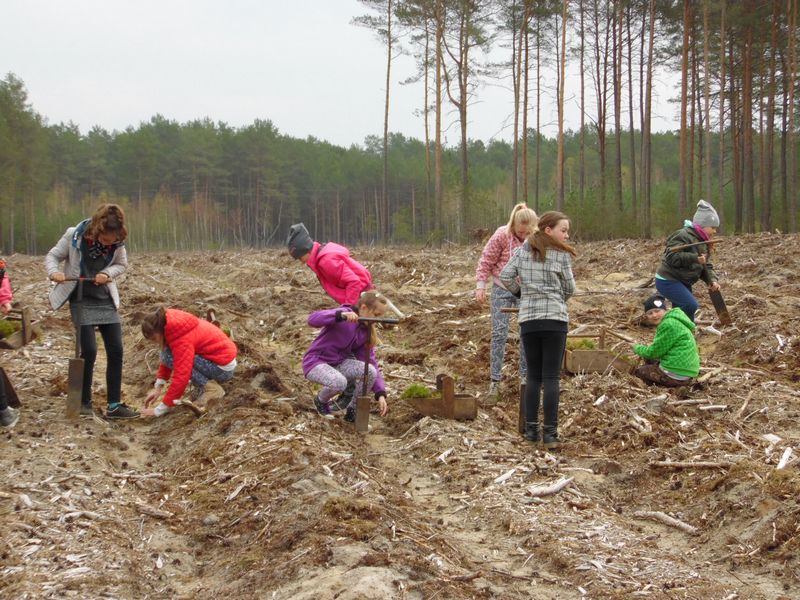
x=498, y=250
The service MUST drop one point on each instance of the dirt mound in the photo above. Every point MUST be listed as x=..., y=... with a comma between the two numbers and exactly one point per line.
x=665, y=494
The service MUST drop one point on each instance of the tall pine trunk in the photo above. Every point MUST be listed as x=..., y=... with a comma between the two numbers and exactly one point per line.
x=683, y=167
x=385, y=182
x=561, y=84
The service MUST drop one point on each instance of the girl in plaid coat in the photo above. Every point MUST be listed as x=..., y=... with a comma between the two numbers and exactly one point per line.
x=540, y=272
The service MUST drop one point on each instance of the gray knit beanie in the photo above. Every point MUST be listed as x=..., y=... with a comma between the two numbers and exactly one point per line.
x=706, y=216
x=299, y=241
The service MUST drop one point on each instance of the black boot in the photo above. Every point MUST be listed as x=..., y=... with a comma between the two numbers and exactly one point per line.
x=550, y=437
x=532, y=431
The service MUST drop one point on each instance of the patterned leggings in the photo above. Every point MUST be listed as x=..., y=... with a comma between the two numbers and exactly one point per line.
x=203, y=369
x=503, y=299
x=334, y=378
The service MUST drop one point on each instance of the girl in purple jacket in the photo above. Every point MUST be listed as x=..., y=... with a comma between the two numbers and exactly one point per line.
x=336, y=356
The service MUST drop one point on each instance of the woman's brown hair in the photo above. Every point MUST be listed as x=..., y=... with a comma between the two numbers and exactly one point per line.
x=108, y=218
x=540, y=241
x=154, y=323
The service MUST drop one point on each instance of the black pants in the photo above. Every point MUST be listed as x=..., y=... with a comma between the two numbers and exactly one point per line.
x=112, y=340
x=3, y=399
x=544, y=351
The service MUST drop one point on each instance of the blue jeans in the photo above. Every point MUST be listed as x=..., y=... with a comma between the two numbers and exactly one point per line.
x=203, y=369
x=503, y=299
x=679, y=294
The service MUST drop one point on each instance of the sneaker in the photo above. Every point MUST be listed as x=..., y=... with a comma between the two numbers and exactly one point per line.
x=350, y=413
x=343, y=400
x=323, y=408
x=121, y=411
x=196, y=394
x=87, y=410
x=9, y=417
x=493, y=395
x=550, y=438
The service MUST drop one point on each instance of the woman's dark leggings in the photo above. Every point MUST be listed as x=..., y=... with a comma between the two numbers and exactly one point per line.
x=545, y=353
x=3, y=399
x=112, y=340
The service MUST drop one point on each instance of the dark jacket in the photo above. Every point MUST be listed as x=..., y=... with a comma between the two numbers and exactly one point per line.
x=682, y=265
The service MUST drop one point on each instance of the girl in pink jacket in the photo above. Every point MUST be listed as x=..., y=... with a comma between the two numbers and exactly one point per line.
x=497, y=252
x=341, y=276
x=5, y=289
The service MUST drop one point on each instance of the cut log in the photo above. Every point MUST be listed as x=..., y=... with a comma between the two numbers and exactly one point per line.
x=548, y=490
x=666, y=519
x=668, y=464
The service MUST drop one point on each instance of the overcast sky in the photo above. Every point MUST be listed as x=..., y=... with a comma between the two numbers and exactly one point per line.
x=299, y=63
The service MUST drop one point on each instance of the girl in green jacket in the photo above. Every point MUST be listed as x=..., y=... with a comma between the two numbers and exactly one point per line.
x=672, y=359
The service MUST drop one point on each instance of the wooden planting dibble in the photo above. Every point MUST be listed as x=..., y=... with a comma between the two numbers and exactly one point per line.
x=75, y=369
x=363, y=401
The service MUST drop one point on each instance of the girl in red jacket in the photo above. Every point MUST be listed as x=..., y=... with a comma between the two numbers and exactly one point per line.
x=191, y=349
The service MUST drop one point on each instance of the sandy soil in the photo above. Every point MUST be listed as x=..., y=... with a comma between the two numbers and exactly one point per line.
x=260, y=498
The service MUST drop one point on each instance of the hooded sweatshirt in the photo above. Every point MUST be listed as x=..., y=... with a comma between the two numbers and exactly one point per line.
x=187, y=336
x=5, y=290
x=341, y=276
x=674, y=345
x=340, y=339
x=496, y=254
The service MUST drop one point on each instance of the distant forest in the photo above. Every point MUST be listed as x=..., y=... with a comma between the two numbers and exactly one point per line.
x=204, y=185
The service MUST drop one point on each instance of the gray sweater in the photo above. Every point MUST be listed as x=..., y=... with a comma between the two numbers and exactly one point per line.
x=68, y=250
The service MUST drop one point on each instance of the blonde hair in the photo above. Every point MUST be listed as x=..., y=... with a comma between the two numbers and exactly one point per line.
x=521, y=215
x=370, y=299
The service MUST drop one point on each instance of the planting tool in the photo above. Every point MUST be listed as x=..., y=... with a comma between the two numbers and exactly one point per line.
x=76, y=364
x=198, y=412
x=384, y=320
x=390, y=305
x=693, y=244
x=521, y=412
x=11, y=393
x=719, y=306
x=363, y=401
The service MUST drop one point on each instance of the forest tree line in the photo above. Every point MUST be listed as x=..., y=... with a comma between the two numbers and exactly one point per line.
x=204, y=184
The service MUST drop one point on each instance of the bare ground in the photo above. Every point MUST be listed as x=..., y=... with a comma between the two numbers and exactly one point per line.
x=260, y=498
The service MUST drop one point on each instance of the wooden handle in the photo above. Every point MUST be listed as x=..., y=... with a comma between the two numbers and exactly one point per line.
x=379, y=320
